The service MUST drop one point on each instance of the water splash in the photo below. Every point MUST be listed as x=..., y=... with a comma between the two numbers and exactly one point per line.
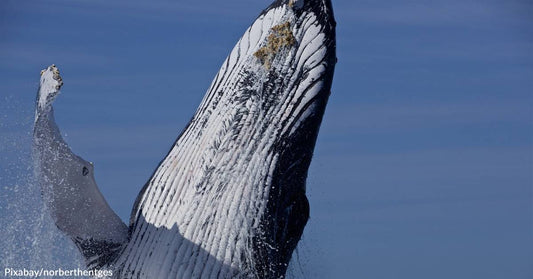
x=30, y=239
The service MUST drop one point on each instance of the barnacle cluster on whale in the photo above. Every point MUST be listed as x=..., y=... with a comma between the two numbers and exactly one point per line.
x=280, y=37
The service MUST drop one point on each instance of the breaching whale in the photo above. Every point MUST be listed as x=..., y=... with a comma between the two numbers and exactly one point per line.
x=228, y=200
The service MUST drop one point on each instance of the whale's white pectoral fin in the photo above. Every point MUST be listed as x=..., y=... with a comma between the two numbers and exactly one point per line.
x=68, y=186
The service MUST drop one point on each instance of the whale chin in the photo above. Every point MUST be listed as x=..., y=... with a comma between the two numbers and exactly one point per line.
x=228, y=200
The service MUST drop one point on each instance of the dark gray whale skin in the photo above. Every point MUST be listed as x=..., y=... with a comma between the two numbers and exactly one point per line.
x=264, y=109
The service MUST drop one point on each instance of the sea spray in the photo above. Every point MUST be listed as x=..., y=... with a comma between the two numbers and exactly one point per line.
x=30, y=240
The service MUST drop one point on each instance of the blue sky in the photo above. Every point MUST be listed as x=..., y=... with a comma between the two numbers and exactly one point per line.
x=424, y=162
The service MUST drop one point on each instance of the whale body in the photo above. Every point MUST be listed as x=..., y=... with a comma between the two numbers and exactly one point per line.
x=228, y=200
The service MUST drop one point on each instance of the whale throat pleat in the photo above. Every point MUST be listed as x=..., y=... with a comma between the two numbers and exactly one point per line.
x=229, y=201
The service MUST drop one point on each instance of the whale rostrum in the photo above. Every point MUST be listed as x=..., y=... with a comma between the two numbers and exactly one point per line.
x=228, y=200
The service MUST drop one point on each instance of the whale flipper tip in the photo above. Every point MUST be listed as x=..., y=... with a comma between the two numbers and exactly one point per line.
x=49, y=86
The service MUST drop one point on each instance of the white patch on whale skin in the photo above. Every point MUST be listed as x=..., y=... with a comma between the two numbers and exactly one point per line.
x=50, y=84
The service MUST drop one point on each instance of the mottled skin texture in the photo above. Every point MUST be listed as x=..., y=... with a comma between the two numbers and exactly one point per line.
x=228, y=200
